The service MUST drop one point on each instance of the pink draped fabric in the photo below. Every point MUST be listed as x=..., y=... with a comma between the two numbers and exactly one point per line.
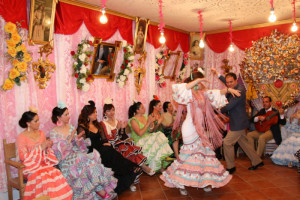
x=62, y=86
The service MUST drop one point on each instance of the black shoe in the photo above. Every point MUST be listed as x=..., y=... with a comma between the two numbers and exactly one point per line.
x=231, y=171
x=256, y=166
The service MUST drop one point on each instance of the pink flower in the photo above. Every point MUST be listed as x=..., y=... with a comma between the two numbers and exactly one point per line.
x=157, y=77
x=185, y=62
x=160, y=61
x=164, y=84
x=185, y=56
x=166, y=52
x=72, y=53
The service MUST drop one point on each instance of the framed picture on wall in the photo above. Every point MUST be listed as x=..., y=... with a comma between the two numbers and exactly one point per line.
x=140, y=37
x=41, y=24
x=196, y=53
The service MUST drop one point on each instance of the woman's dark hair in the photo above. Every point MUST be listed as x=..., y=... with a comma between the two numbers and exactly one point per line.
x=26, y=117
x=133, y=108
x=194, y=43
x=165, y=106
x=107, y=107
x=152, y=104
x=195, y=75
x=57, y=112
x=86, y=111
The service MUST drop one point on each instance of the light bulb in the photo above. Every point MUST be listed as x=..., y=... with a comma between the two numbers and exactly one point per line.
x=231, y=49
x=103, y=18
x=294, y=27
x=272, y=17
x=162, y=38
x=201, y=45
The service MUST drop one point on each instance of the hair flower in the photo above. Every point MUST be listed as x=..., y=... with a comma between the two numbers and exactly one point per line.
x=61, y=105
x=108, y=101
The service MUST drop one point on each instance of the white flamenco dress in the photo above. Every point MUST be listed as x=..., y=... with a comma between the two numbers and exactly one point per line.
x=197, y=165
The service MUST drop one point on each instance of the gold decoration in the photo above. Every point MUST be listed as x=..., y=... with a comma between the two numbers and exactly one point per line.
x=226, y=68
x=43, y=68
x=139, y=73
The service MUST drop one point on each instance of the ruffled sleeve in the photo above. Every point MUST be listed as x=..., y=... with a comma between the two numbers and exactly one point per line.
x=216, y=99
x=182, y=95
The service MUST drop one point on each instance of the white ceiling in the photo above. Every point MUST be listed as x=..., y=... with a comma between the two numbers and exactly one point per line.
x=182, y=14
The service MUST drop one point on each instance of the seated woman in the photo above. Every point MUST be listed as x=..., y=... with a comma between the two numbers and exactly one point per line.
x=36, y=154
x=113, y=131
x=84, y=172
x=124, y=170
x=284, y=154
x=167, y=125
x=155, y=145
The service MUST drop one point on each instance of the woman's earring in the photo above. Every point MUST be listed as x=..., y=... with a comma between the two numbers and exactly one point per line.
x=59, y=123
x=88, y=119
x=105, y=117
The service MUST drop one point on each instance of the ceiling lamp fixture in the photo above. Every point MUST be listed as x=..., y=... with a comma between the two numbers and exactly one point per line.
x=294, y=27
x=103, y=18
x=231, y=49
x=272, y=17
x=201, y=44
x=162, y=38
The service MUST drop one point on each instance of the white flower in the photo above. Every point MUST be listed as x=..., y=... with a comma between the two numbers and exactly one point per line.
x=129, y=49
x=83, y=81
x=124, y=43
x=158, y=56
x=130, y=58
x=126, y=72
x=156, y=66
x=76, y=63
x=85, y=87
x=91, y=39
x=82, y=57
x=121, y=84
x=84, y=47
x=122, y=78
x=83, y=69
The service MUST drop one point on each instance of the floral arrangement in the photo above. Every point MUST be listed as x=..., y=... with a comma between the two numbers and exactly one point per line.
x=81, y=64
x=159, y=59
x=183, y=68
x=126, y=65
x=271, y=61
x=17, y=55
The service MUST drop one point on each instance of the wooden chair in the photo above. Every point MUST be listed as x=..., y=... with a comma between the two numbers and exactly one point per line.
x=18, y=182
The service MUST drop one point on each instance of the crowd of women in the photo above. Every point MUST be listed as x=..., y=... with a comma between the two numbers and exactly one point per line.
x=97, y=160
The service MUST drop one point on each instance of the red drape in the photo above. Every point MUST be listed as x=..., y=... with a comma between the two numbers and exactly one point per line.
x=173, y=38
x=68, y=19
x=14, y=11
x=219, y=42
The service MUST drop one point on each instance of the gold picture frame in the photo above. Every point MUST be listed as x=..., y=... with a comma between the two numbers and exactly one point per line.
x=140, y=35
x=41, y=23
x=104, y=59
x=171, y=74
x=196, y=53
x=139, y=73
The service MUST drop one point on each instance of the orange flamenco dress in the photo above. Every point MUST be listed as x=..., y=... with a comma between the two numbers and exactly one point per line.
x=42, y=177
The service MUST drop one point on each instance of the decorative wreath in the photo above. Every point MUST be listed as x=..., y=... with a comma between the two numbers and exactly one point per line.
x=17, y=55
x=159, y=59
x=81, y=64
x=183, y=68
x=126, y=65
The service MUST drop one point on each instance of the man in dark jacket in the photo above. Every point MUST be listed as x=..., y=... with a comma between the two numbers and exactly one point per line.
x=272, y=133
x=238, y=123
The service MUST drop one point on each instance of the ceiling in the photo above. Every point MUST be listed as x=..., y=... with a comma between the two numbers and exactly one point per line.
x=182, y=14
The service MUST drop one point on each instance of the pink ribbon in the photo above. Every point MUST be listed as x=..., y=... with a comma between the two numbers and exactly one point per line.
x=230, y=32
x=161, y=25
x=294, y=11
x=271, y=2
x=201, y=23
x=103, y=4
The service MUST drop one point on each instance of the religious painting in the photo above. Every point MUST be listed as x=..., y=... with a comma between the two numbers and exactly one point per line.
x=140, y=35
x=104, y=59
x=41, y=25
x=196, y=53
x=170, y=65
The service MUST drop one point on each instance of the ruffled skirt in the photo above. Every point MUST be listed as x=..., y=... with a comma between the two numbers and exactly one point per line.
x=284, y=154
x=156, y=148
x=197, y=167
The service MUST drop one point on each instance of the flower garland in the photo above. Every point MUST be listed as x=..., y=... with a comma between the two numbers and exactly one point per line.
x=126, y=65
x=82, y=60
x=17, y=55
x=183, y=68
x=159, y=59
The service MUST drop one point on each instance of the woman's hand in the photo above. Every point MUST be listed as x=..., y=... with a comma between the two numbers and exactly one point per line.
x=160, y=120
x=124, y=124
x=234, y=93
x=151, y=119
x=81, y=134
x=119, y=125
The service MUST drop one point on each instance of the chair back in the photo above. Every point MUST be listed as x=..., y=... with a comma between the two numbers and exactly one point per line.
x=9, y=150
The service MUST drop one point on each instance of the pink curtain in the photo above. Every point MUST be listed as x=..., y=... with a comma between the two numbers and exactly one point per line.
x=62, y=86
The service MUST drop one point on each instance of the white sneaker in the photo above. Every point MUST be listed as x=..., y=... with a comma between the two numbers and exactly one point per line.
x=207, y=189
x=183, y=192
x=132, y=188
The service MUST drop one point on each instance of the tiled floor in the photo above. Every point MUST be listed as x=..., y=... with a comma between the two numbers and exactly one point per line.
x=268, y=182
